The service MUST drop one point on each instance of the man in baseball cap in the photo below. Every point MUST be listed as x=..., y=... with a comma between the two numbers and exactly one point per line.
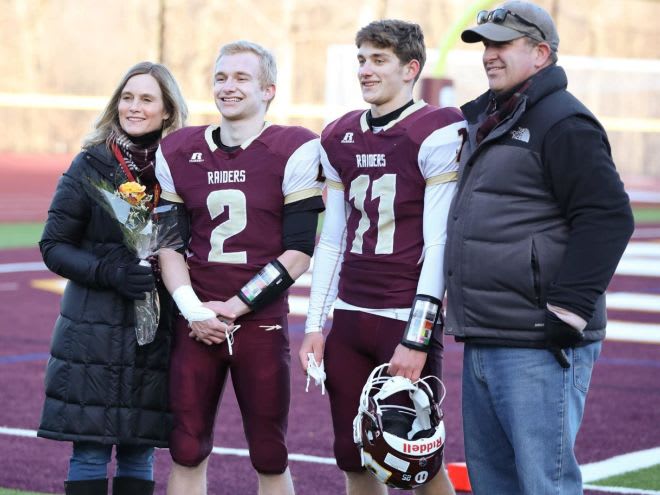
x=538, y=224
x=510, y=33
x=511, y=21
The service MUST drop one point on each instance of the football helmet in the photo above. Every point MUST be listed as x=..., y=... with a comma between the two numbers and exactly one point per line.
x=401, y=446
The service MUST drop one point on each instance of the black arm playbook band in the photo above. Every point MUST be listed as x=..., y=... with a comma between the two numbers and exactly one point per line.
x=425, y=313
x=266, y=286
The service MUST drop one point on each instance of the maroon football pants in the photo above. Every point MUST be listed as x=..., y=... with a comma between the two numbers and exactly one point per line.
x=260, y=376
x=356, y=344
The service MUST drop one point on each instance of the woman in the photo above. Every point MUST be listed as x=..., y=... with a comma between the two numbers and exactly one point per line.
x=102, y=389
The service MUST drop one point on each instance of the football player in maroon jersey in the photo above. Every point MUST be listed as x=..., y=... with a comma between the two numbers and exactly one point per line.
x=251, y=193
x=391, y=173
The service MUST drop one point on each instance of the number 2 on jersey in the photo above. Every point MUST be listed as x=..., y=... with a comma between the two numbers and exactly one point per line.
x=383, y=188
x=234, y=201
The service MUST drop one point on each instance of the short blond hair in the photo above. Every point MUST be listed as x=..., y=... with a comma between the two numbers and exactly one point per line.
x=267, y=65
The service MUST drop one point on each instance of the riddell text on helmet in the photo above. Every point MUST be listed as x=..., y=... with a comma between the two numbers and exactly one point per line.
x=423, y=448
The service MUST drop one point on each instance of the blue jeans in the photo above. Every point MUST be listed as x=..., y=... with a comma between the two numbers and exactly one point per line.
x=90, y=461
x=521, y=414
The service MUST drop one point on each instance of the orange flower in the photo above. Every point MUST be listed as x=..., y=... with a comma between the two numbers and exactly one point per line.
x=132, y=192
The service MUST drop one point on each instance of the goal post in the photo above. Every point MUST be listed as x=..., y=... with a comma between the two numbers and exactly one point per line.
x=438, y=89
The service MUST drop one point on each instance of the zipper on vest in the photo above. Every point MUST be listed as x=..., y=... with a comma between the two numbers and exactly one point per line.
x=537, y=276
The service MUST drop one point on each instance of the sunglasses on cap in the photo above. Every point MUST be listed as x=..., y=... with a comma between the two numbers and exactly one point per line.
x=498, y=16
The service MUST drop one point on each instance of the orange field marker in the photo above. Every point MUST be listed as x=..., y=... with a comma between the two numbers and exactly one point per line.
x=458, y=476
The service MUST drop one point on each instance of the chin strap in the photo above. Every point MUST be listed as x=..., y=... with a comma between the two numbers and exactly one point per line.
x=421, y=399
x=394, y=385
x=230, y=338
x=422, y=405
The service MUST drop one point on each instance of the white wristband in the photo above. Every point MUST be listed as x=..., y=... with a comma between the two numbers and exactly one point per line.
x=190, y=306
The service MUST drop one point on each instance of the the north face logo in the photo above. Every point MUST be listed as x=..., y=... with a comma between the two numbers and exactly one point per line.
x=348, y=138
x=521, y=134
x=196, y=158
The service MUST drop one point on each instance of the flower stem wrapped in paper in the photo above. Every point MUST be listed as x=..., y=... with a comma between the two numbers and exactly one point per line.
x=145, y=230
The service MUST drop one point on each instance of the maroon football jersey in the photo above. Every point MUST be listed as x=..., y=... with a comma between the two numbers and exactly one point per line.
x=383, y=175
x=236, y=200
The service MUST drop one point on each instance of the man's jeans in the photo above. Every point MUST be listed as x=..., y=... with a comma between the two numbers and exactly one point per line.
x=521, y=414
x=90, y=461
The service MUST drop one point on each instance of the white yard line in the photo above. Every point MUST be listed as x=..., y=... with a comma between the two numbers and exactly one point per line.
x=644, y=196
x=36, y=266
x=298, y=305
x=305, y=280
x=620, y=464
x=590, y=472
x=638, y=267
x=633, y=301
x=620, y=489
x=19, y=432
x=625, y=331
x=643, y=249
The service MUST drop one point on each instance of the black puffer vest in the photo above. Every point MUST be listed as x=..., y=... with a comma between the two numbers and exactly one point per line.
x=506, y=234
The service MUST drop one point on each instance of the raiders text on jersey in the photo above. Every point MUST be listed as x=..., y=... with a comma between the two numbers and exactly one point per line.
x=370, y=160
x=222, y=176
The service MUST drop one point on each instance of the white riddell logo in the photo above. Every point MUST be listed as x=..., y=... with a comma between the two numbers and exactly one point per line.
x=521, y=134
x=196, y=158
x=348, y=138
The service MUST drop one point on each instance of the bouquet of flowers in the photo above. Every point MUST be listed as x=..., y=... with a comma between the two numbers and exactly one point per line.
x=145, y=230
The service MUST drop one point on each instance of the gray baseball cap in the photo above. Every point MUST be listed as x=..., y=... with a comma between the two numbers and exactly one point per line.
x=511, y=21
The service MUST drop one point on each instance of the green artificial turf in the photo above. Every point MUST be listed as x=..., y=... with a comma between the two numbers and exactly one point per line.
x=646, y=215
x=645, y=479
x=19, y=235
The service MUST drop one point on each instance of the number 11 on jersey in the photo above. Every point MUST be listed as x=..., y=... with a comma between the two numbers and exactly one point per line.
x=383, y=189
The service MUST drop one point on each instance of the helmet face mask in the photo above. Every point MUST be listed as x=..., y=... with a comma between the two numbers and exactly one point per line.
x=401, y=445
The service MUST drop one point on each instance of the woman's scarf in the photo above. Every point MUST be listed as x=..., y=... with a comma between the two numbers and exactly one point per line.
x=139, y=153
